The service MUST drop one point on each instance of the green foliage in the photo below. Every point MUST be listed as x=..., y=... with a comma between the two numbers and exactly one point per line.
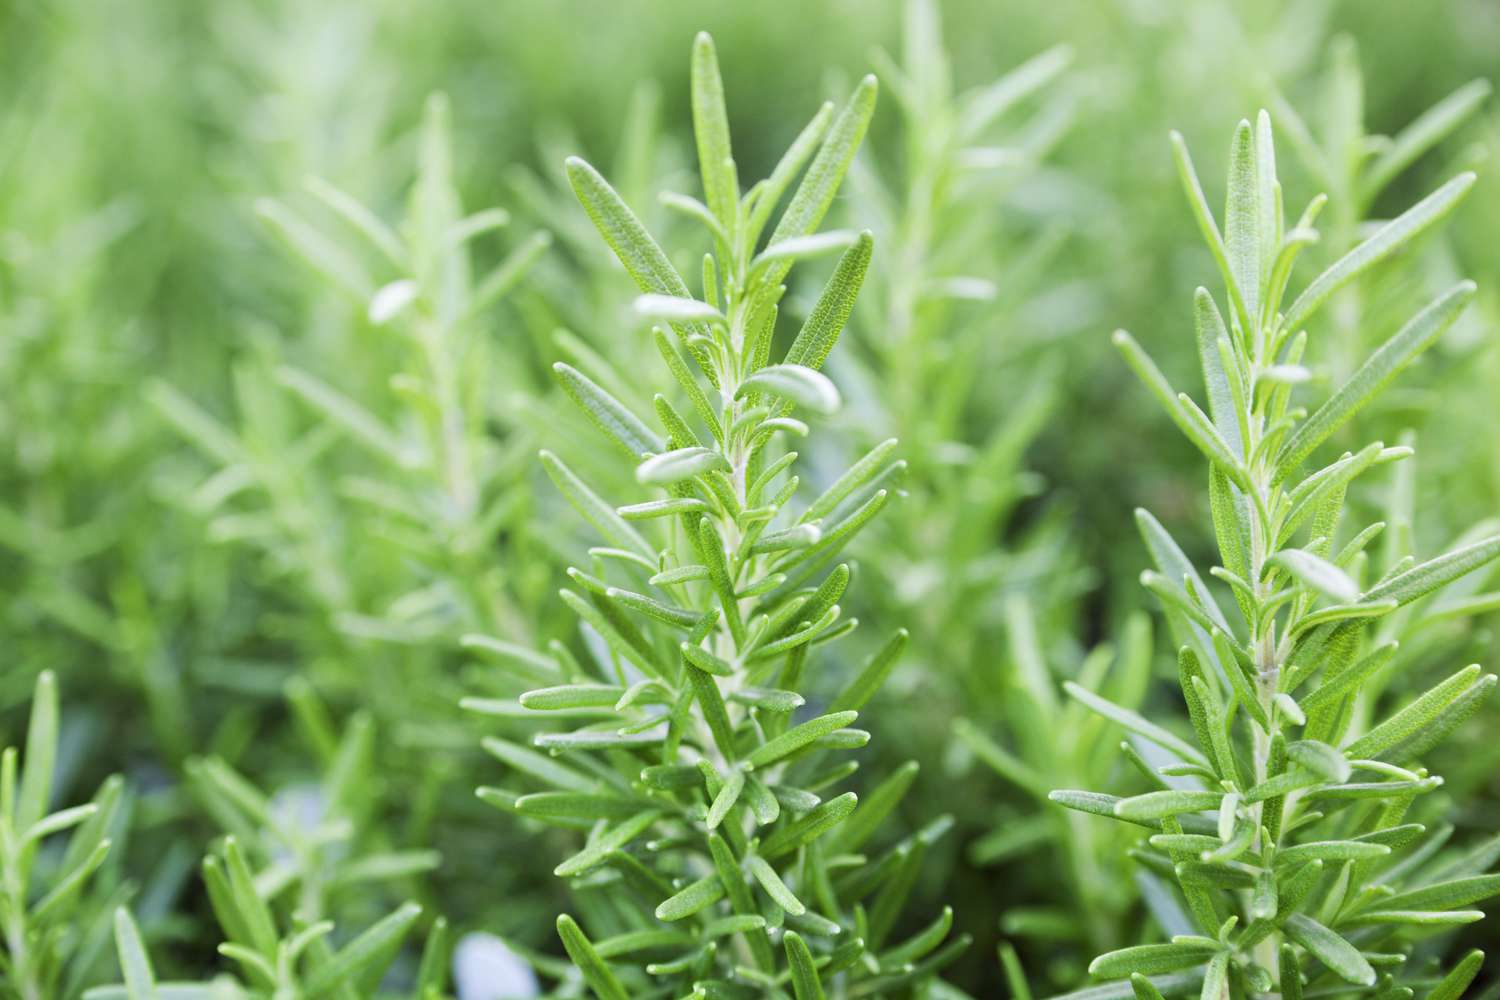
x=1291, y=854
x=712, y=814
x=270, y=397
x=49, y=861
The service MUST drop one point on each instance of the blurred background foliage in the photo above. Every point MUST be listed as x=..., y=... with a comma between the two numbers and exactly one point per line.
x=222, y=575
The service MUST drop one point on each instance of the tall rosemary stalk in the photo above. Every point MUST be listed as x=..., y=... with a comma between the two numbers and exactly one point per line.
x=1282, y=825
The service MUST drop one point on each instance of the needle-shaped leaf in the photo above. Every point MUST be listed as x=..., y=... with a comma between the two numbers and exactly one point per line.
x=797, y=384
x=41, y=753
x=831, y=312
x=1169, y=802
x=608, y=413
x=365, y=953
x=1452, y=986
x=815, y=194
x=1425, y=711
x=595, y=511
x=1319, y=758
x=135, y=965
x=596, y=971
x=676, y=309
x=721, y=187
x=1424, y=132
x=775, y=887
x=1318, y=573
x=798, y=737
x=695, y=897
x=808, y=827
x=1148, y=959
x=1426, y=577
x=1242, y=240
x=1134, y=722
x=805, y=982
x=679, y=464
x=1332, y=950
x=602, y=846
x=1388, y=360
x=1379, y=246
x=644, y=260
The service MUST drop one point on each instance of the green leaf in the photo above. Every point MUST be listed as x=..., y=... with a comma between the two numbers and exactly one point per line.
x=1379, y=246
x=644, y=260
x=572, y=696
x=805, y=982
x=1317, y=573
x=728, y=795
x=798, y=737
x=1320, y=758
x=1424, y=132
x=1242, y=211
x=797, y=384
x=1443, y=895
x=602, y=846
x=135, y=964
x=682, y=463
x=831, y=312
x=1329, y=948
x=596, y=971
x=808, y=827
x=1136, y=724
x=1208, y=227
x=1168, y=802
x=1216, y=978
x=864, y=685
x=608, y=413
x=721, y=189
x=676, y=309
x=1425, y=711
x=348, y=414
x=1452, y=986
x=802, y=247
x=1147, y=959
x=1426, y=577
x=1330, y=850
x=1196, y=428
x=690, y=900
x=1419, y=333
x=775, y=888
x=361, y=956
x=41, y=753
x=594, y=510
x=815, y=194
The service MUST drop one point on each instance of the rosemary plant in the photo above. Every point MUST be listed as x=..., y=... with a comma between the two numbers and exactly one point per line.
x=720, y=858
x=287, y=864
x=959, y=365
x=1282, y=823
x=48, y=897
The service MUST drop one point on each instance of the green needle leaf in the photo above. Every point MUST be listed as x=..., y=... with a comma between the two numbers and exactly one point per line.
x=596, y=971
x=797, y=384
x=1394, y=355
x=798, y=737
x=1332, y=950
x=1385, y=242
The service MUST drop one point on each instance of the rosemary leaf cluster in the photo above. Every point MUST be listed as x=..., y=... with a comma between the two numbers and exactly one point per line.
x=1282, y=822
x=712, y=799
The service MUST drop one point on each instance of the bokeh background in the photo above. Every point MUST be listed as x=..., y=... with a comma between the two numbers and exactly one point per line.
x=214, y=574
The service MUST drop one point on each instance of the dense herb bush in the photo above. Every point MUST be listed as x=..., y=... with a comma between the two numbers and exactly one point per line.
x=245, y=527
x=1309, y=874
x=721, y=857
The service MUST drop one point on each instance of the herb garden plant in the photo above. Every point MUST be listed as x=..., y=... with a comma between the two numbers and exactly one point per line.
x=723, y=854
x=280, y=564
x=1286, y=824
